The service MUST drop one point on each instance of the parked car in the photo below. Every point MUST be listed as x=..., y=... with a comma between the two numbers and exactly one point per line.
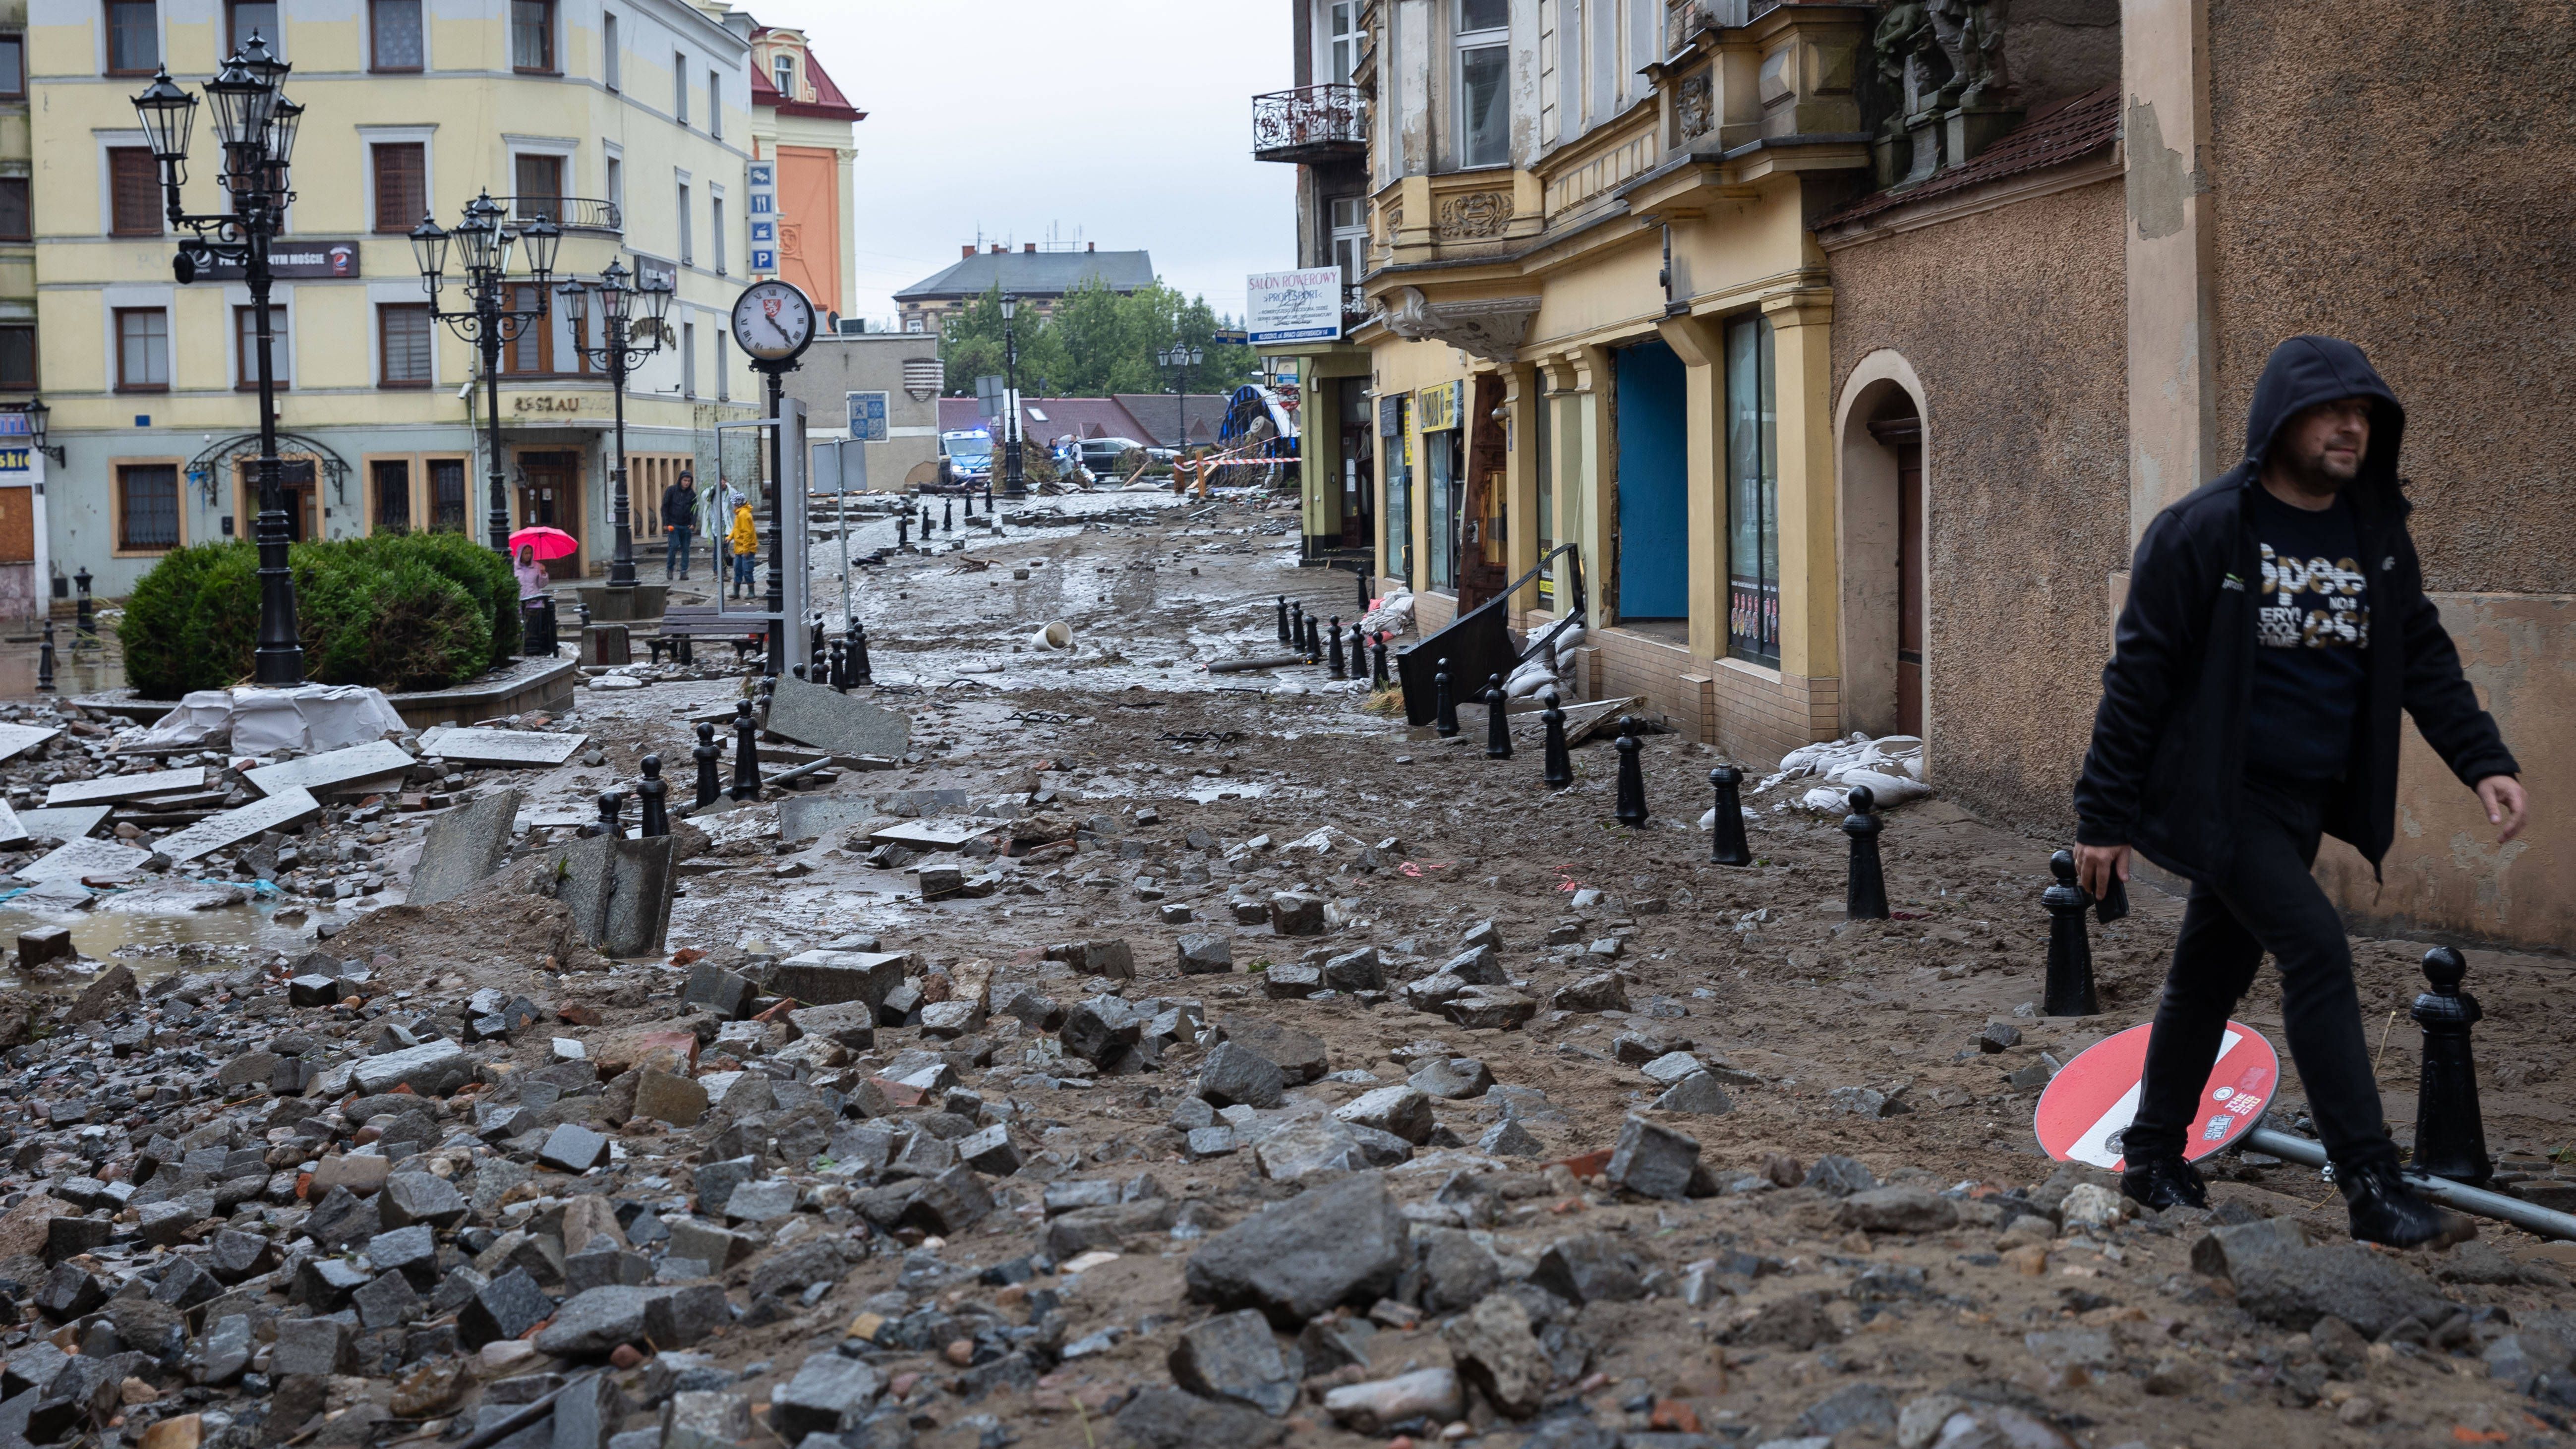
x=965, y=458
x=1101, y=455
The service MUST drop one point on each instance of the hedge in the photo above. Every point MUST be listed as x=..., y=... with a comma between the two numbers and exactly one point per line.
x=401, y=611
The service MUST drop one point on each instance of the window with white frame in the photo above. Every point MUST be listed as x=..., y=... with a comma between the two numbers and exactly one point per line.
x=1350, y=236
x=1483, y=81
x=782, y=73
x=716, y=230
x=1342, y=52
x=608, y=50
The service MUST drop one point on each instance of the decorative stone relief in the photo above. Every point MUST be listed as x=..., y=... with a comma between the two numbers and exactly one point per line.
x=1489, y=328
x=1693, y=110
x=1474, y=215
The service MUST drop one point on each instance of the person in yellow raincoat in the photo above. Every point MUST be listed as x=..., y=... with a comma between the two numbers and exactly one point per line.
x=745, y=543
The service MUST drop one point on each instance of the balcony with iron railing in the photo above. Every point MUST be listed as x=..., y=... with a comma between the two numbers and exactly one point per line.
x=572, y=213
x=1310, y=124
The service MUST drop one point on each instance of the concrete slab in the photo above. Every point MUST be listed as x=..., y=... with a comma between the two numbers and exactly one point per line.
x=12, y=831
x=74, y=859
x=500, y=747
x=18, y=739
x=333, y=771
x=620, y=893
x=126, y=787
x=810, y=818
x=813, y=715
x=943, y=834
x=277, y=812
x=463, y=848
x=72, y=822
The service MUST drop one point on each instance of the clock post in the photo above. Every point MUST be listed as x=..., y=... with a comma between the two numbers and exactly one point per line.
x=774, y=322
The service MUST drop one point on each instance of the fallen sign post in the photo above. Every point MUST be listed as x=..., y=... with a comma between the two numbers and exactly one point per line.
x=2092, y=1100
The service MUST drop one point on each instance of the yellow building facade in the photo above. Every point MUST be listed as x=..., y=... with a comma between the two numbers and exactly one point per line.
x=629, y=121
x=1600, y=318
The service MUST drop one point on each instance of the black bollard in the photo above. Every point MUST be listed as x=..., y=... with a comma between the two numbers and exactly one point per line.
x=2070, y=948
x=840, y=675
x=859, y=671
x=1283, y=619
x=706, y=754
x=2450, y=1138
x=45, y=660
x=1865, y=898
x=1377, y=662
x=814, y=649
x=947, y=515
x=903, y=530
x=612, y=806
x=1359, y=652
x=1362, y=578
x=1498, y=728
x=1333, y=646
x=1726, y=828
x=1297, y=625
x=746, y=753
x=1314, y=646
x=584, y=605
x=1632, y=776
x=654, y=795
x=1557, y=761
x=768, y=694
x=925, y=523
x=85, y=624
x=1444, y=710
x=970, y=503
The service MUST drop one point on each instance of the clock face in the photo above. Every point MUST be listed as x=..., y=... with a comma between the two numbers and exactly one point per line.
x=773, y=321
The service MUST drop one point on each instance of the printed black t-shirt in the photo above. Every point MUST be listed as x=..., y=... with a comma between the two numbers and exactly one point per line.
x=2312, y=623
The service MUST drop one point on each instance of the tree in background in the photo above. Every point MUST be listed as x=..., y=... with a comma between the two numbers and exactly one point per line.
x=1099, y=342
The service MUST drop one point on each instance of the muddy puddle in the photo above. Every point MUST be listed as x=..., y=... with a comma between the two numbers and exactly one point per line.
x=161, y=927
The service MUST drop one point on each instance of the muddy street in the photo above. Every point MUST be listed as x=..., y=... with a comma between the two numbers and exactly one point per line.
x=1129, y=1053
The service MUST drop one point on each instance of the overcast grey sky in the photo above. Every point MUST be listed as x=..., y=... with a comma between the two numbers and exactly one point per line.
x=1126, y=123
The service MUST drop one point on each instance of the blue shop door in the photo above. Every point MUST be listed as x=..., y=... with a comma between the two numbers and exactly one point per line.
x=1654, y=497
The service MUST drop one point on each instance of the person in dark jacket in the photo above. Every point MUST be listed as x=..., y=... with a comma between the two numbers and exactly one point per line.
x=2275, y=625
x=679, y=523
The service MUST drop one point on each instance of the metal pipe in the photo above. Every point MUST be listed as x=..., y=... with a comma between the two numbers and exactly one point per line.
x=1237, y=666
x=2526, y=1216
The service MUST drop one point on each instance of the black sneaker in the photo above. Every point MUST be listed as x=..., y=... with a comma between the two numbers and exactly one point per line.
x=2388, y=1212
x=2162, y=1182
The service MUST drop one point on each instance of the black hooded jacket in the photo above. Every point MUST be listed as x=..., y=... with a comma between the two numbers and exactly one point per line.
x=2169, y=739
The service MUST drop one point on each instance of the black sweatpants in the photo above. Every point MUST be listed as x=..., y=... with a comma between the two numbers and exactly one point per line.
x=2265, y=900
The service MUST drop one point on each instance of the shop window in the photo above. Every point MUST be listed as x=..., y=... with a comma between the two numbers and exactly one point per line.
x=1752, y=494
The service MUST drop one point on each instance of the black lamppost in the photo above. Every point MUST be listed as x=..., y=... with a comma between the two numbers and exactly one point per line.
x=256, y=125
x=618, y=352
x=1015, y=484
x=1177, y=360
x=483, y=243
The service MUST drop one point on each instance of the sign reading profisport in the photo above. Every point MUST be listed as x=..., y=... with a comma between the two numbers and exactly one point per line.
x=1294, y=306
x=2092, y=1100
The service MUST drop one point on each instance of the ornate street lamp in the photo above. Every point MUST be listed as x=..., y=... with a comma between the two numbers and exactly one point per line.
x=625, y=340
x=1015, y=484
x=256, y=126
x=1178, y=360
x=483, y=241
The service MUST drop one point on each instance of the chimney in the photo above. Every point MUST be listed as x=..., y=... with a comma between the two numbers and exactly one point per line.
x=1028, y=246
x=966, y=249
x=1091, y=246
x=997, y=249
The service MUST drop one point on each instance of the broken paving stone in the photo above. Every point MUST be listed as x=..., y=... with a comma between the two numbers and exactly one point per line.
x=592, y=1323
x=1159, y=1418
x=1998, y=1036
x=572, y=1147
x=1294, y=913
x=718, y=990
x=1291, y=981
x=1653, y=1161
x=1234, y=1356
x=990, y=1151
x=706, y=1419
x=1601, y=991
x=1234, y=1073
x=1698, y=1094
x=1205, y=955
x=419, y=1197
x=1903, y=1208
x=1838, y=1176
x=1202, y=1143
x=829, y=1393
x=1099, y=1027
x=1301, y=1055
x=1402, y=1111
x=1331, y=1244
x=315, y=1346
x=1109, y=956
x=1452, y=1079
x=1489, y=1008
x=1498, y=1354
x=1370, y=1408
x=505, y=1307
x=662, y=1097
x=678, y=1317
x=1359, y=970
x=1589, y=1268
x=1508, y=1138
x=762, y=1200
x=430, y=1069
x=1854, y=1408
x=388, y=1300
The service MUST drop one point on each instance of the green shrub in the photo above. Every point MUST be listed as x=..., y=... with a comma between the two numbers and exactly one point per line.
x=397, y=611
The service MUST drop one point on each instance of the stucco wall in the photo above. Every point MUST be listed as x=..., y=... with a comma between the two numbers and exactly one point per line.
x=2010, y=320
x=2381, y=182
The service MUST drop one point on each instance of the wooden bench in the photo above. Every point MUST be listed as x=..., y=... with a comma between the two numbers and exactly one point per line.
x=683, y=624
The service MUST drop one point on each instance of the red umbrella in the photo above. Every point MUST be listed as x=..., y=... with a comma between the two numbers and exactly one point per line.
x=550, y=543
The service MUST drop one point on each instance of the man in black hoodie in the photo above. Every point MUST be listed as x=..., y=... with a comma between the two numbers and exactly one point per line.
x=679, y=524
x=2275, y=625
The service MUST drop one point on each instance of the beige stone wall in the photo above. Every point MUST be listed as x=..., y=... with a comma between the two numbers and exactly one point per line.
x=2010, y=320
x=2385, y=183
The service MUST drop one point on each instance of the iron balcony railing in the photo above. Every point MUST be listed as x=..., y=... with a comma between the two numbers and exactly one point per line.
x=1309, y=123
x=572, y=213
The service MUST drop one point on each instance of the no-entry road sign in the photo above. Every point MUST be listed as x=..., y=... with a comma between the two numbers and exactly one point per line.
x=2092, y=1100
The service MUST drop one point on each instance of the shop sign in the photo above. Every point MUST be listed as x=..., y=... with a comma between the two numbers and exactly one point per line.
x=547, y=404
x=1303, y=306
x=292, y=260
x=1440, y=407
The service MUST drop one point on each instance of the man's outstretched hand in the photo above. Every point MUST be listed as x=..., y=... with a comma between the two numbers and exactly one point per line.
x=2505, y=803
x=2096, y=866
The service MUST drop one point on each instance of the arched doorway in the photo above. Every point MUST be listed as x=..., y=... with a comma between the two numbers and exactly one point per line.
x=1886, y=573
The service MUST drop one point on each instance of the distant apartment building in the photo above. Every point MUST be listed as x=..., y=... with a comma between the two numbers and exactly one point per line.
x=1040, y=279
